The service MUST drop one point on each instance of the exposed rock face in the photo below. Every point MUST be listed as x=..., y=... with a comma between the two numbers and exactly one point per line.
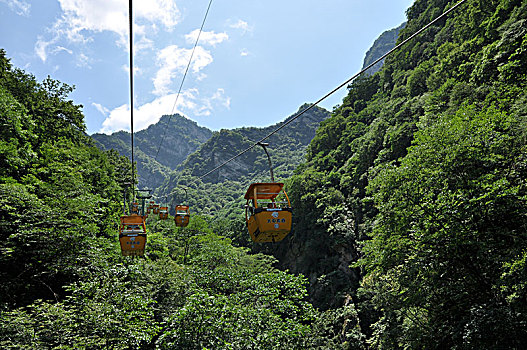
x=384, y=43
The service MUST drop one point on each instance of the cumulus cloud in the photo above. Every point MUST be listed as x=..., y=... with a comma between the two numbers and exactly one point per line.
x=82, y=18
x=209, y=38
x=189, y=103
x=145, y=115
x=173, y=62
x=112, y=15
x=244, y=52
x=119, y=119
x=20, y=7
x=244, y=26
x=103, y=110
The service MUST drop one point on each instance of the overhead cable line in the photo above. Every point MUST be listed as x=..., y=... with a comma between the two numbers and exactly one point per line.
x=130, y=22
x=443, y=15
x=334, y=90
x=183, y=80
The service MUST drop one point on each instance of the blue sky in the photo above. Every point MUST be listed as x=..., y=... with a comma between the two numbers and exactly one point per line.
x=257, y=60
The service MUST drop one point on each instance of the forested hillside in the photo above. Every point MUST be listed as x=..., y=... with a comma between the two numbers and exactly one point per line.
x=409, y=209
x=412, y=203
x=384, y=43
x=180, y=137
x=65, y=284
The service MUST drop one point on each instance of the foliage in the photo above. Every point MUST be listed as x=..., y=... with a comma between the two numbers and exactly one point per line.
x=419, y=176
x=471, y=58
x=451, y=222
x=65, y=284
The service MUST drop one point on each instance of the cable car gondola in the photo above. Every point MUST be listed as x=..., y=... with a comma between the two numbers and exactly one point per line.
x=163, y=213
x=150, y=206
x=155, y=209
x=132, y=235
x=268, y=220
x=182, y=216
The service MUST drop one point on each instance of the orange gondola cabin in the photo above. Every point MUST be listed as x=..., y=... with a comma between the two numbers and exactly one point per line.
x=268, y=220
x=155, y=209
x=182, y=217
x=163, y=213
x=132, y=235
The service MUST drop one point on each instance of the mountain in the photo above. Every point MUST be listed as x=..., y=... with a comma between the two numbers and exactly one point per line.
x=287, y=148
x=410, y=208
x=384, y=43
x=220, y=194
x=181, y=136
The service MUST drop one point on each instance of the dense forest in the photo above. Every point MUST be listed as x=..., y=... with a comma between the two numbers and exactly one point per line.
x=64, y=282
x=411, y=205
x=180, y=137
x=410, y=214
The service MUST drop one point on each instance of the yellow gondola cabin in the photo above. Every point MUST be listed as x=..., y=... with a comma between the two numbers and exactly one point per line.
x=182, y=217
x=267, y=220
x=163, y=213
x=132, y=235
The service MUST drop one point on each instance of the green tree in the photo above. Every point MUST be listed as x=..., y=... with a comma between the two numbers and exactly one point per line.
x=450, y=235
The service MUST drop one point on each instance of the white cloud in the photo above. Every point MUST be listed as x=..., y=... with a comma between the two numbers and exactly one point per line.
x=244, y=26
x=173, y=62
x=126, y=68
x=219, y=96
x=20, y=7
x=145, y=115
x=83, y=61
x=112, y=15
x=162, y=11
x=244, y=52
x=40, y=48
x=82, y=18
x=62, y=48
x=209, y=38
x=189, y=102
x=142, y=44
x=119, y=119
x=103, y=110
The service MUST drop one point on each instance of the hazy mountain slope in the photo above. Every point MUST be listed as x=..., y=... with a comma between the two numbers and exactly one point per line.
x=286, y=148
x=181, y=136
x=384, y=43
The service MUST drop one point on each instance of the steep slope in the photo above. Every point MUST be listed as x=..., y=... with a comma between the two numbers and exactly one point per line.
x=221, y=193
x=287, y=148
x=384, y=43
x=434, y=252
x=181, y=136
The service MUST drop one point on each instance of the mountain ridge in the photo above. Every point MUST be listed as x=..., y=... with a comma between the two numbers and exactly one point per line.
x=180, y=136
